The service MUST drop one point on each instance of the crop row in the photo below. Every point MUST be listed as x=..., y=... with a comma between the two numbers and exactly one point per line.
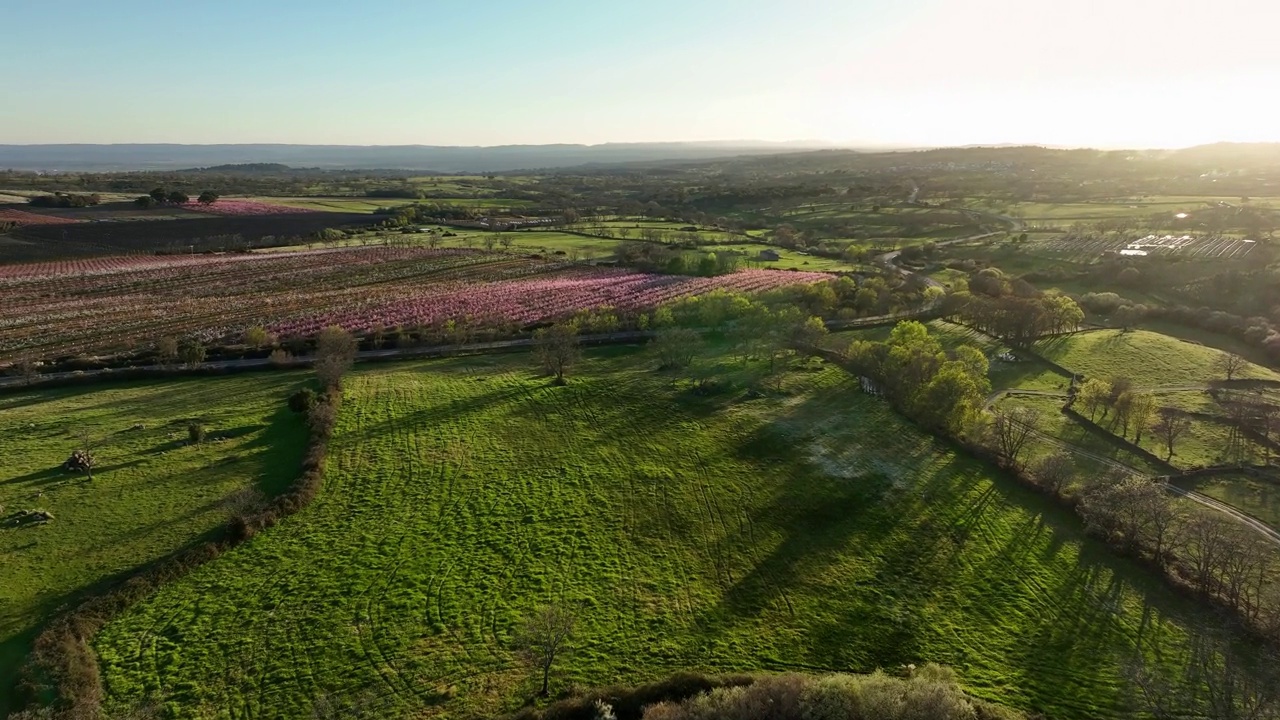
x=244, y=207
x=98, y=307
x=20, y=217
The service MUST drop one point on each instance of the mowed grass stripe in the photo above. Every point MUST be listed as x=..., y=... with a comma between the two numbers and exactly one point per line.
x=813, y=529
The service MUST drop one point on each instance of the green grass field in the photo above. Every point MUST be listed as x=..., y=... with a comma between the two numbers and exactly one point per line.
x=812, y=529
x=1149, y=359
x=1258, y=498
x=151, y=493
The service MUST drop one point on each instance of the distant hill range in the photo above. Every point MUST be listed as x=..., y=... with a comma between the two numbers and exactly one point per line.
x=427, y=158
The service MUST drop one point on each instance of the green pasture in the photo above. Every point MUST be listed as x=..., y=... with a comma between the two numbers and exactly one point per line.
x=808, y=527
x=1257, y=497
x=151, y=493
x=1150, y=359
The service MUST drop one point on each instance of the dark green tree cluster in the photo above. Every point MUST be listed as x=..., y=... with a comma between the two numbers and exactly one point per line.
x=159, y=196
x=1011, y=309
x=942, y=389
x=65, y=200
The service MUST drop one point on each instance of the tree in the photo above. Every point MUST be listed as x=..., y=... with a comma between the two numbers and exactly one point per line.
x=545, y=637
x=1141, y=407
x=192, y=353
x=177, y=197
x=257, y=337
x=82, y=460
x=145, y=202
x=159, y=195
x=1054, y=471
x=302, y=401
x=195, y=433
x=1169, y=426
x=1012, y=429
x=335, y=354
x=676, y=348
x=208, y=197
x=811, y=332
x=1229, y=364
x=26, y=368
x=1093, y=394
x=556, y=349
x=490, y=241
x=167, y=349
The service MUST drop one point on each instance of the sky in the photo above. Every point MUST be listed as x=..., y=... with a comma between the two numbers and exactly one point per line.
x=1108, y=73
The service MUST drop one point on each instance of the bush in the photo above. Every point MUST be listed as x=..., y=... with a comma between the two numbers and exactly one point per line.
x=195, y=433
x=302, y=401
x=80, y=461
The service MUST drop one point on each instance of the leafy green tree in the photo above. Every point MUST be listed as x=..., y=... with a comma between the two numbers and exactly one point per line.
x=145, y=201
x=208, y=197
x=177, y=197
x=159, y=195
x=192, y=353
x=676, y=348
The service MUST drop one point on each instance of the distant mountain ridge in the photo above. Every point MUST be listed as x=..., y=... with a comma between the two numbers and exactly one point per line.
x=433, y=158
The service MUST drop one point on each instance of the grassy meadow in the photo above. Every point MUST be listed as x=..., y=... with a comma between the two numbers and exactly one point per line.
x=1150, y=359
x=810, y=528
x=151, y=492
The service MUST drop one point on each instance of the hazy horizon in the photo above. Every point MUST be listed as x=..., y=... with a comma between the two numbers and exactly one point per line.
x=876, y=74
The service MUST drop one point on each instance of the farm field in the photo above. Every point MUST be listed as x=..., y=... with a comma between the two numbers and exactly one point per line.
x=105, y=305
x=151, y=494
x=193, y=232
x=813, y=529
x=1194, y=245
x=1150, y=359
x=370, y=204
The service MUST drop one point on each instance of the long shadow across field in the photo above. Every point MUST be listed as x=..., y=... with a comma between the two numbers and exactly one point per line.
x=962, y=532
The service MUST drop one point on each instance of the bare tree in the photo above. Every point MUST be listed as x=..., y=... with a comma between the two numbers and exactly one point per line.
x=335, y=353
x=506, y=241
x=1229, y=364
x=1012, y=429
x=556, y=349
x=1169, y=426
x=167, y=349
x=26, y=368
x=545, y=637
x=1206, y=544
x=490, y=241
x=1055, y=471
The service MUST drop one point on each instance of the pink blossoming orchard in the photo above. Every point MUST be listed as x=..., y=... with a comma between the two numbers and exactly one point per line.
x=102, y=306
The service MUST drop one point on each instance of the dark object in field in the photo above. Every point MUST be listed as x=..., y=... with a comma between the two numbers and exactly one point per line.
x=29, y=517
x=303, y=400
x=80, y=461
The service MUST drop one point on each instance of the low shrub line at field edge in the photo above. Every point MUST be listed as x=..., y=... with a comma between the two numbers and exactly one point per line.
x=62, y=670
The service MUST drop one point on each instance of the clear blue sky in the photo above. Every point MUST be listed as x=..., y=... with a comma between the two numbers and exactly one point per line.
x=1104, y=73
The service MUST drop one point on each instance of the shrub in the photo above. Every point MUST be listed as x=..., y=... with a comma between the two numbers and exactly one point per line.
x=303, y=400
x=195, y=433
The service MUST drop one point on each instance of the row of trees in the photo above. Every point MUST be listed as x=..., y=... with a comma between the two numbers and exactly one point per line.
x=159, y=196
x=65, y=200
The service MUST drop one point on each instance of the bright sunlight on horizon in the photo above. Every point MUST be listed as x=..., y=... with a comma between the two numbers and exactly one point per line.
x=1115, y=73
